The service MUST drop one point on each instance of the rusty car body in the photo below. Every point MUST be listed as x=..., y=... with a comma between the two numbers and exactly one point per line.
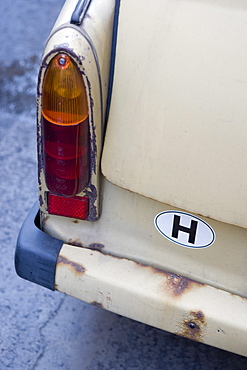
x=164, y=240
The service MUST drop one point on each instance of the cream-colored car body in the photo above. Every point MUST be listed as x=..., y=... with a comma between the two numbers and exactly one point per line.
x=180, y=85
x=175, y=141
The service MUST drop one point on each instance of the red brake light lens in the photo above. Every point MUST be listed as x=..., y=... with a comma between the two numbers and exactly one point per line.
x=65, y=128
x=76, y=207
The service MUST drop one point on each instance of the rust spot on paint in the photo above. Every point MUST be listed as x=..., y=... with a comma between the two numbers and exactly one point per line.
x=41, y=202
x=75, y=221
x=96, y=304
x=198, y=316
x=178, y=284
x=96, y=246
x=193, y=326
x=75, y=242
x=91, y=193
x=75, y=266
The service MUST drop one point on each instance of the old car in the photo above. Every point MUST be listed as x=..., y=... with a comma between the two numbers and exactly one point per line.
x=142, y=157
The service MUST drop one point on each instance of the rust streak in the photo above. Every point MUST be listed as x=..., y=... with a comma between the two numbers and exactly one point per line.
x=243, y=298
x=76, y=266
x=174, y=283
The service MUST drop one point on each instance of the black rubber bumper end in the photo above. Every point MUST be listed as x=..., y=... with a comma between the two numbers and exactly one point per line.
x=36, y=252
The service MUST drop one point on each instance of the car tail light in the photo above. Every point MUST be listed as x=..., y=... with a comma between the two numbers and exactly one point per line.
x=65, y=128
x=75, y=207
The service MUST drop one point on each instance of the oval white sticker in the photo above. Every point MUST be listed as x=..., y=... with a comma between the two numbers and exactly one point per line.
x=184, y=229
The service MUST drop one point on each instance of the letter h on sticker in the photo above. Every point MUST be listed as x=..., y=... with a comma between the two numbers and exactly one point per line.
x=190, y=230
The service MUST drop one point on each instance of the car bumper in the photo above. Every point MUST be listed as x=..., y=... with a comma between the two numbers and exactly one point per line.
x=162, y=299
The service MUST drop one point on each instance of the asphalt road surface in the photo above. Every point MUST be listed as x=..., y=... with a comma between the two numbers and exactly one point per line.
x=47, y=330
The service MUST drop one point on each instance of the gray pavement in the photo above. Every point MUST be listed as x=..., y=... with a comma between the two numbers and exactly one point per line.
x=42, y=329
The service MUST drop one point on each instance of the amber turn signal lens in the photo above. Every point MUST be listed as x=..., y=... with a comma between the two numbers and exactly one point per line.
x=64, y=93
